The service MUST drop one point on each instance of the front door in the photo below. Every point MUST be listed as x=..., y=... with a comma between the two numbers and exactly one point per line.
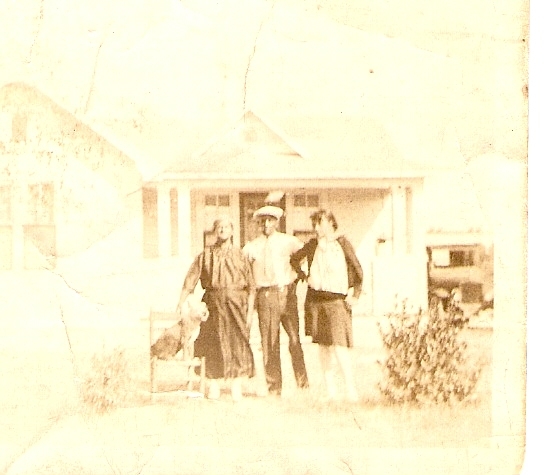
x=250, y=202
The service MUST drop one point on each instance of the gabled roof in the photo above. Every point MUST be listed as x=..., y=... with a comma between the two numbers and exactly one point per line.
x=316, y=147
x=245, y=147
x=61, y=129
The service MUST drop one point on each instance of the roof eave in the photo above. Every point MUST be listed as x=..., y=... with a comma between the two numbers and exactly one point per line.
x=344, y=175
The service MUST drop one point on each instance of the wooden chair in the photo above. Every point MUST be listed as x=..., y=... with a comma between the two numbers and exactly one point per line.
x=159, y=323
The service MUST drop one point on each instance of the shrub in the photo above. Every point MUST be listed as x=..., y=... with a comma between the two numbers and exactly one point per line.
x=107, y=384
x=425, y=360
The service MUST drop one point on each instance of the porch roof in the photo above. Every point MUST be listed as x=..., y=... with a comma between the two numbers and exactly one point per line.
x=317, y=148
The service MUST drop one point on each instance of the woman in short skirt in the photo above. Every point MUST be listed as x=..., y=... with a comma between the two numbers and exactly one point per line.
x=334, y=285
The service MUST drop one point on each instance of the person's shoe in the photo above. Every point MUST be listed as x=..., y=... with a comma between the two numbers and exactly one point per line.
x=261, y=392
x=236, y=391
x=214, y=390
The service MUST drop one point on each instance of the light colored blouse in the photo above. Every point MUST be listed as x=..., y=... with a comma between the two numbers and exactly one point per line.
x=329, y=268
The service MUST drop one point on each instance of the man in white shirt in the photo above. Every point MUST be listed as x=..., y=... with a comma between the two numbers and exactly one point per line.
x=276, y=299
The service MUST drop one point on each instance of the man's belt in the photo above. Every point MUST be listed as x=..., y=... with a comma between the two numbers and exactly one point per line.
x=278, y=288
x=227, y=287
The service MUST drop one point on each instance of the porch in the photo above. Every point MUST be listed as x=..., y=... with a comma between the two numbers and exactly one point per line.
x=380, y=217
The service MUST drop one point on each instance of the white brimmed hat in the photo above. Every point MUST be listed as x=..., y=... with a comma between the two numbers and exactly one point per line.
x=269, y=210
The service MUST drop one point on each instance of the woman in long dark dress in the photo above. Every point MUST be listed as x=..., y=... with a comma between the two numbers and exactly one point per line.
x=226, y=277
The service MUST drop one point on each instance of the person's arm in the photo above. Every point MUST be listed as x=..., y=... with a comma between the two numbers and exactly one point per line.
x=251, y=285
x=190, y=282
x=354, y=263
x=296, y=260
x=250, y=309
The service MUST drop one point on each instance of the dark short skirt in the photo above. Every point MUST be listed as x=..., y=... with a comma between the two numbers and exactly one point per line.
x=328, y=319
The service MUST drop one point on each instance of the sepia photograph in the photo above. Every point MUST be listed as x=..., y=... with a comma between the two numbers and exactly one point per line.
x=263, y=236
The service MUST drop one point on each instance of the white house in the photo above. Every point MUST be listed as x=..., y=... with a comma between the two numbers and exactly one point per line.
x=375, y=197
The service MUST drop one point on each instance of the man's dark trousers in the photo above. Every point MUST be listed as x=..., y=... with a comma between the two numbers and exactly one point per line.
x=278, y=305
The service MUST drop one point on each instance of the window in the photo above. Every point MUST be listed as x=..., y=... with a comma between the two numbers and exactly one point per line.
x=302, y=200
x=299, y=200
x=215, y=205
x=305, y=204
x=461, y=258
x=440, y=257
x=312, y=201
x=223, y=200
x=217, y=200
x=39, y=228
x=40, y=203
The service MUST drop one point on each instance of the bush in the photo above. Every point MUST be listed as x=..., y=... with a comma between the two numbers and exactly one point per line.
x=107, y=384
x=425, y=360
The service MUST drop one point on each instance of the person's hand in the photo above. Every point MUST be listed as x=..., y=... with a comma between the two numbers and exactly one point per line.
x=351, y=301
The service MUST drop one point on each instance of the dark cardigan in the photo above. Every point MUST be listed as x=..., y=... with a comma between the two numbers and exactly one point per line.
x=354, y=269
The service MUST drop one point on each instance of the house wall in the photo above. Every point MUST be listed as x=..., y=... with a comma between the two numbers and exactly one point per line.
x=65, y=186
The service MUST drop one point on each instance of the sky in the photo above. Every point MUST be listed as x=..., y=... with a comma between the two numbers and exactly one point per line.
x=446, y=79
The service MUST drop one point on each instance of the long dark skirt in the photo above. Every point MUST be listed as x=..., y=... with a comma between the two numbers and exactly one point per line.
x=224, y=337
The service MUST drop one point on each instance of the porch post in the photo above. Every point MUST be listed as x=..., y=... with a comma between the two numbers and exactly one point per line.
x=184, y=222
x=399, y=237
x=163, y=220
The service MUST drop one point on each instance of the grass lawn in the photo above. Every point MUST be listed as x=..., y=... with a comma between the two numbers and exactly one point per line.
x=151, y=437
x=303, y=418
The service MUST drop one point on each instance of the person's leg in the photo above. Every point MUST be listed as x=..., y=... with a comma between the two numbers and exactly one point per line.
x=269, y=320
x=236, y=389
x=291, y=324
x=326, y=356
x=343, y=356
x=238, y=357
x=235, y=337
x=214, y=389
x=327, y=363
x=208, y=342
